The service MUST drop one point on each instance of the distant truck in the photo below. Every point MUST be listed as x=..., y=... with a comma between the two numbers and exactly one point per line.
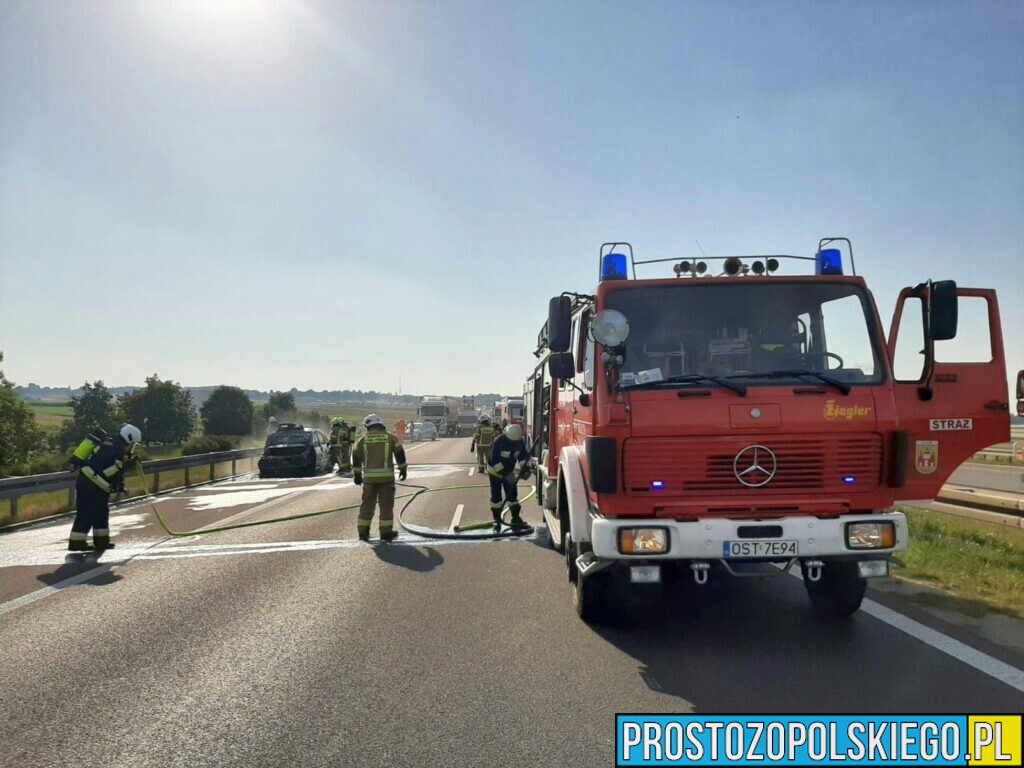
x=512, y=410
x=697, y=426
x=441, y=411
x=466, y=423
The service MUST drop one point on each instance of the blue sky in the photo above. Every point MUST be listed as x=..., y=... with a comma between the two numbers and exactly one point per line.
x=336, y=195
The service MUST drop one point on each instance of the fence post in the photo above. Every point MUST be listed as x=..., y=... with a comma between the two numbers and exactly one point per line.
x=71, y=497
x=234, y=467
x=14, y=509
x=212, y=465
x=186, y=476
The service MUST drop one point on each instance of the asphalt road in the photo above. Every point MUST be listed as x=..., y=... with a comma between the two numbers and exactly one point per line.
x=1008, y=479
x=293, y=644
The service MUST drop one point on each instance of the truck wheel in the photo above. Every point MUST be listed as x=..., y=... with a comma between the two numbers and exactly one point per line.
x=839, y=591
x=590, y=598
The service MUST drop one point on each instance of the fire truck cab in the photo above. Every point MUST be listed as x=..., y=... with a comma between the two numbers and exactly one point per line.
x=705, y=424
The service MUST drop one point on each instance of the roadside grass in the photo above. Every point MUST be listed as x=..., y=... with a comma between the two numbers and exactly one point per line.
x=969, y=558
x=51, y=416
x=36, y=505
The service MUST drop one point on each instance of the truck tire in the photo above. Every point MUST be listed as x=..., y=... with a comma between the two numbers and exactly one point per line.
x=590, y=598
x=839, y=591
x=592, y=595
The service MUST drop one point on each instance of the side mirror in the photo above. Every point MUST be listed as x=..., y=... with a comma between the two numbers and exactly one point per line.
x=1020, y=385
x=559, y=325
x=942, y=317
x=561, y=365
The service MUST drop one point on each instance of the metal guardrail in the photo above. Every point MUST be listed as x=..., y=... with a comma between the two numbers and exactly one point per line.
x=14, y=488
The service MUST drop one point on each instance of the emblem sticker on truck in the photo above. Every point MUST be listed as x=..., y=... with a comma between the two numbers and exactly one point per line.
x=926, y=456
x=951, y=425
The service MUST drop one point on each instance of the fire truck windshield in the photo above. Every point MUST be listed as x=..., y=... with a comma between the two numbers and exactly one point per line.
x=772, y=333
x=430, y=411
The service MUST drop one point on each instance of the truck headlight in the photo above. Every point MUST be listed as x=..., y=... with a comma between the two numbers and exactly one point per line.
x=870, y=535
x=643, y=541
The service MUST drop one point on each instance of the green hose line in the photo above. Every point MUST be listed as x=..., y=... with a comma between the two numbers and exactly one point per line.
x=409, y=497
x=433, y=533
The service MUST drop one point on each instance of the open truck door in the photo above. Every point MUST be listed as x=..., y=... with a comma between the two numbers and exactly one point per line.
x=1020, y=393
x=950, y=383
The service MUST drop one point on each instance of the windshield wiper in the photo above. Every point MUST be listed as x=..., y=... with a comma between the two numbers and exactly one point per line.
x=689, y=378
x=842, y=386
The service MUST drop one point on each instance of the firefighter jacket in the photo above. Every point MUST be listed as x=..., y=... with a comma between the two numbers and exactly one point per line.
x=105, y=468
x=485, y=435
x=336, y=434
x=505, y=454
x=374, y=455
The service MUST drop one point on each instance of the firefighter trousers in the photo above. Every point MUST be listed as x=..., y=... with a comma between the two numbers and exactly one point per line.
x=504, y=486
x=342, y=455
x=482, y=453
x=374, y=494
x=92, y=512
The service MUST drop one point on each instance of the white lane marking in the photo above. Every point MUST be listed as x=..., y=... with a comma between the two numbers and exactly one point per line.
x=457, y=518
x=472, y=470
x=71, y=581
x=972, y=657
x=982, y=662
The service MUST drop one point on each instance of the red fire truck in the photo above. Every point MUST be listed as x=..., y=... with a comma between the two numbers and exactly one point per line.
x=702, y=424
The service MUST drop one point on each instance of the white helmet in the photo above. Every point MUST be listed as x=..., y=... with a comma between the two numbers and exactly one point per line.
x=131, y=435
x=372, y=420
x=514, y=432
x=483, y=418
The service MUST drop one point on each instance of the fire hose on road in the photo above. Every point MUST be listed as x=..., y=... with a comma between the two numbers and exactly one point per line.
x=469, y=532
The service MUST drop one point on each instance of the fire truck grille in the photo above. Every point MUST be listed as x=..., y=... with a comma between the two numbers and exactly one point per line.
x=679, y=466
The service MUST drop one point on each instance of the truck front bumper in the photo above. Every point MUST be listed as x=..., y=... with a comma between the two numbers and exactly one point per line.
x=708, y=538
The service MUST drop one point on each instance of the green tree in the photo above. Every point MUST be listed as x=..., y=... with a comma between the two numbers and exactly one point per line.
x=227, y=411
x=95, y=407
x=20, y=436
x=163, y=410
x=279, y=403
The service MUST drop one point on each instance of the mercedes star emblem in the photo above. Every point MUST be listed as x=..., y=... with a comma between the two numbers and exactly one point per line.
x=754, y=466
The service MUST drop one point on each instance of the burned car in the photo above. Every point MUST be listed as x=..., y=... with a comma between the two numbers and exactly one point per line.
x=294, y=450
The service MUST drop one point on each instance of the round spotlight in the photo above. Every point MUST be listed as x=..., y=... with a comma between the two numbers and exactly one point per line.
x=773, y=264
x=686, y=266
x=732, y=266
x=757, y=268
x=701, y=267
x=678, y=269
x=610, y=327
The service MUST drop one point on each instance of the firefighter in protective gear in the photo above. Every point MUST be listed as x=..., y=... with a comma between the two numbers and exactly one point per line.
x=87, y=447
x=374, y=461
x=348, y=436
x=508, y=449
x=101, y=474
x=339, y=433
x=483, y=438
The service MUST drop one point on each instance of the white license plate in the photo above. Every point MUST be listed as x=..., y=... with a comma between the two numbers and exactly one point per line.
x=754, y=548
x=645, y=574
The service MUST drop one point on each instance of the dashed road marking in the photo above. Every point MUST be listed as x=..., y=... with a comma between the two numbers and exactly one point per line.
x=457, y=518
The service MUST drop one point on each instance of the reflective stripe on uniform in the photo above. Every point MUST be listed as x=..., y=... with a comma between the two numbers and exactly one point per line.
x=101, y=482
x=100, y=531
x=113, y=469
x=363, y=524
x=506, y=454
x=386, y=525
x=76, y=536
x=496, y=471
